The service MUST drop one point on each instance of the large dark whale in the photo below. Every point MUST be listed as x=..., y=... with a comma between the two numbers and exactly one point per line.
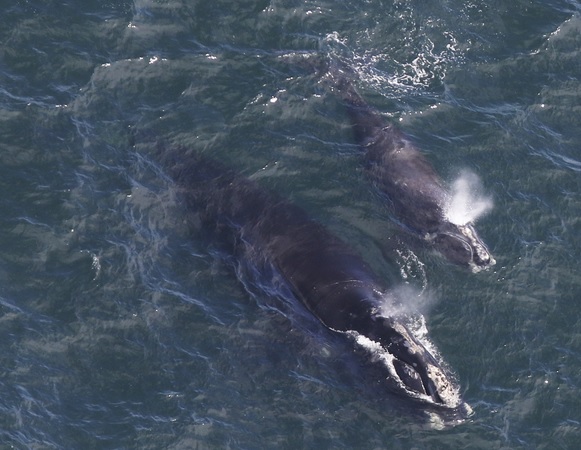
x=334, y=283
x=416, y=194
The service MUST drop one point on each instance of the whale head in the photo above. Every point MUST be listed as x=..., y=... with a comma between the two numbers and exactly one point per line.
x=461, y=245
x=413, y=370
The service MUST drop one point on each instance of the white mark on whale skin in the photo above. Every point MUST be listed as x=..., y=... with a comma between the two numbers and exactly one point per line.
x=447, y=387
x=468, y=201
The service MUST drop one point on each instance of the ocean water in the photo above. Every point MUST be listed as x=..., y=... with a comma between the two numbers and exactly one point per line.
x=121, y=327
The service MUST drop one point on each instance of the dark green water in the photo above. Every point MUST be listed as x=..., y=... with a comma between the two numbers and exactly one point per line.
x=121, y=328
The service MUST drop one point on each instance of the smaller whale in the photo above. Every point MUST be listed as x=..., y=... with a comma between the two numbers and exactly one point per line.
x=415, y=193
x=324, y=273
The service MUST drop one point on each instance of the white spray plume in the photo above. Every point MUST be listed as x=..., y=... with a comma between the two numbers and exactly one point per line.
x=407, y=300
x=468, y=201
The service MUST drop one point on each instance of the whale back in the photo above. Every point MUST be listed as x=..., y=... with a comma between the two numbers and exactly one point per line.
x=326, y=274
x=323, y=272
x=405, y=179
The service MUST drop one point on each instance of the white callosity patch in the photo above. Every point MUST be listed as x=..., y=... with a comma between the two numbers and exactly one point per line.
x=447, y=389
x=477, y=247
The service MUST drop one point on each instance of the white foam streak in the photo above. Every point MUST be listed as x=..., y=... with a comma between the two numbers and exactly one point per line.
x=468, y=201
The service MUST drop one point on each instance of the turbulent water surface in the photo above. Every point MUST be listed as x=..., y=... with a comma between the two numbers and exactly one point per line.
x=123, y=326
